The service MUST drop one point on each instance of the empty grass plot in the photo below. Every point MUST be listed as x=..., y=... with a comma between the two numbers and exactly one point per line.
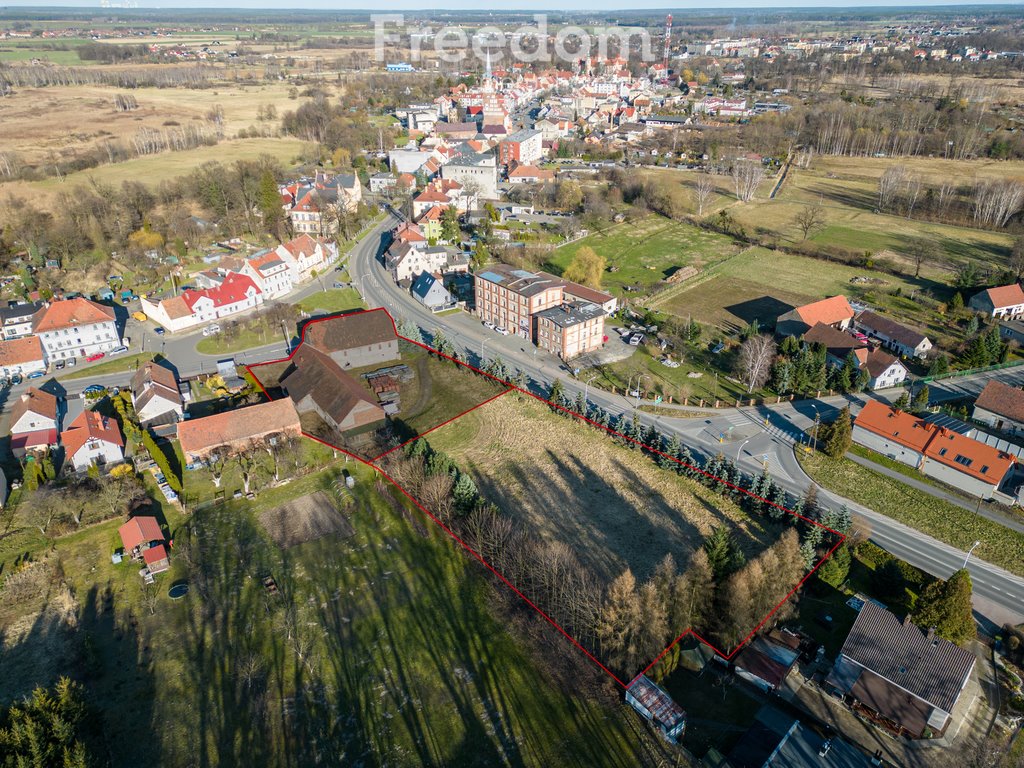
x=623, y=555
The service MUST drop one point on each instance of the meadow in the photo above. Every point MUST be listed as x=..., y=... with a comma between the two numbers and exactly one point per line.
x=645, y=252
x=380, y=647
x=612, y=506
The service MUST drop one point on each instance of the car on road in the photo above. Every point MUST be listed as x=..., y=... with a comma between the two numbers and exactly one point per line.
x=211, y=330
x=338, y=284
x=59, y=365
x=140, y=316
x=158, y=331
x=502, y=330
x=118, y=350
x=72, y=362
x=94, y=389
x=36, y=375
x=488, y=324
x=94, y=358
x=15, y=379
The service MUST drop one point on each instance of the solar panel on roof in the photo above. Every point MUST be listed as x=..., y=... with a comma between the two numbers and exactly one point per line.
x=492, y=277
x=522, y=273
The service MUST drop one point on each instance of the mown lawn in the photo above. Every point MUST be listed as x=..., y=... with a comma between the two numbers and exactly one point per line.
x=383, y=648
x=945, y=521
x=647, y=251
x=333, y=300
x=114, y=365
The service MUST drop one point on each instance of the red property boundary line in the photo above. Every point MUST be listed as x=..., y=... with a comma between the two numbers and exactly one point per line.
x=370, y=463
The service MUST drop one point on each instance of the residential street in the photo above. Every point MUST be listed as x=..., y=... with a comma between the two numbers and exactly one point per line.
x=741, y=434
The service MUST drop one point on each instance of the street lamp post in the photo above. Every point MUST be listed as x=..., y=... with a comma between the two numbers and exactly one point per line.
x=640, y=378
x=817, y=418
x=586, y=387
x=969, y=551
x=483, y=344
x=740, y=449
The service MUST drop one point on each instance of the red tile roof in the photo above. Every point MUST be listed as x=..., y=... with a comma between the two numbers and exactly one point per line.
x=69, y=314
x=26, y=441
x=1002, y=399
x=154, y=554
x=303, y=245
x=894, y=425
x=1005, y=296
x=21, y=351
x=90, y=425
x=231, y=428
x=140, y=530
x=828, y=311
x=233, y=290
x=964, y=454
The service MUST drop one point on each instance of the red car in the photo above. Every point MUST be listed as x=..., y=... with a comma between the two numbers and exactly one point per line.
x=94, y=358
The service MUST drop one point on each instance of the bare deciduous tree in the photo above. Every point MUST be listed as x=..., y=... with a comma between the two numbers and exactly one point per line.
x=996, y=201
x=756, y=356
x=889, y=185
x=747, y=176
x=702, y=191
x=809, y=219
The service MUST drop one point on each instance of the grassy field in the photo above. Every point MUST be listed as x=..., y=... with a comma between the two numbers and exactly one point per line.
x=762, y=284
x=380, y=648
x=155, y=168
x=82, y=116
x=612, y=506
x=333, y=300
x=114, y=365
x=847, y=189
x=695, y=378
x=945, y=521
x=648, y=251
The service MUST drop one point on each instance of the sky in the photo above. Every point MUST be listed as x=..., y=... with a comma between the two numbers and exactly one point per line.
x=538, y=6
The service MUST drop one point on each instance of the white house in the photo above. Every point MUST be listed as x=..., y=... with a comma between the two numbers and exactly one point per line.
x=35, y=421
x=92, y=439
x=407, y=263
x=884, y=370
x=478, y=173
x=16, y=319
x=307, y=257
x=75, y=328
x=270, y=272
x=156, y=396
x=1005, y=301
x=21, y=357
x=238, y=293
x=431, y=293
x=900, y=339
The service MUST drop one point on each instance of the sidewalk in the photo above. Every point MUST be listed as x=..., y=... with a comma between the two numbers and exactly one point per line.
x=984, y=510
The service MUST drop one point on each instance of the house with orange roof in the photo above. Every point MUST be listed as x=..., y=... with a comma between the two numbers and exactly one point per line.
x=943, y=454
x=236, y=430
x=75, y=328
x=270, y=272
x=21, y=357
x=530, y=174
x=430, y=222
x=427, y=199
x=834, y=311
x=92, y=440
x=307, y=257
x=1004, y=301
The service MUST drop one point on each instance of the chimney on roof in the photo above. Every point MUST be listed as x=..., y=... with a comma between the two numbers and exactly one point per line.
x=931, y=634
x=906, y=621
x=25, y=397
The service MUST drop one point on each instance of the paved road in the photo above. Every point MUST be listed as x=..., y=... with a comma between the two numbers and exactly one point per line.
x=741, y=434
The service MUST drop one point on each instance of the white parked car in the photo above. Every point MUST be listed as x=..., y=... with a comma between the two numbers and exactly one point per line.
x=502, y=330
x=488, y=324
x=117, y=351
x=210, y=330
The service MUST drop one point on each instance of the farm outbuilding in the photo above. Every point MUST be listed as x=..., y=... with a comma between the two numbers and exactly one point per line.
x=647, y=698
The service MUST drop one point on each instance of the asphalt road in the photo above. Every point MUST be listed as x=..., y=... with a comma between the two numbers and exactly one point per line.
x=740, y=434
